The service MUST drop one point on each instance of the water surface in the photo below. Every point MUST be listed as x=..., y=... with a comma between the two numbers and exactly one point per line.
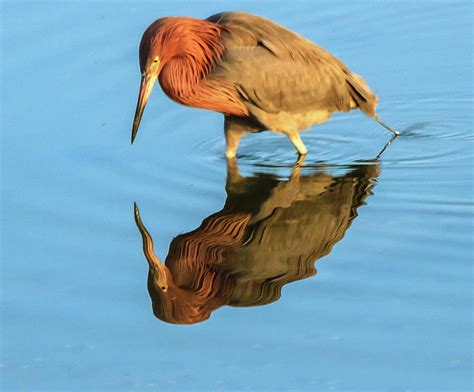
x=390, y=307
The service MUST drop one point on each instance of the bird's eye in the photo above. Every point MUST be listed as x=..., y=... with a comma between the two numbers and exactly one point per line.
x=155, y=60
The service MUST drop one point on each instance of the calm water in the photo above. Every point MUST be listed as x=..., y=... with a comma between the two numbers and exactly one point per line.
x=391, y=305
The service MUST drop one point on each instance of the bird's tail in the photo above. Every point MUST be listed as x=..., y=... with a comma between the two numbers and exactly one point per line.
x=361, y=94
x=365, y=99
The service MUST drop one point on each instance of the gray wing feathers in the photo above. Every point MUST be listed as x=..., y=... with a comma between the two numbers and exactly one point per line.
x=278, y=70
x=276, y=85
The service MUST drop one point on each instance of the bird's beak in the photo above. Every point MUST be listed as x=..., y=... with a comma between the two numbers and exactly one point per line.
x=146, y=85
x=157, y=268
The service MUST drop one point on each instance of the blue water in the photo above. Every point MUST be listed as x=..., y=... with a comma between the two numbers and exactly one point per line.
x=390, y=307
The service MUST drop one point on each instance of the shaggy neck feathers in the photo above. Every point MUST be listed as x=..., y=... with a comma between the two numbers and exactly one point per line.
x=189, y=50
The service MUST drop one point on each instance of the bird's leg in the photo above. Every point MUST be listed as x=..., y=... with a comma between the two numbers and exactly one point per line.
x=234, y=178
x=232, y=139
x=385, y=147
x=298, y=143
x=296, y=171
x=394, y=132
x=233, y=173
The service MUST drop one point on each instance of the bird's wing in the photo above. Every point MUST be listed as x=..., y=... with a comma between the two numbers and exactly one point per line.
x=273, y=84
x=277, y=70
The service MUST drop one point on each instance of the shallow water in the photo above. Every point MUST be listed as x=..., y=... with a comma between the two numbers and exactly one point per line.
x=391, y=305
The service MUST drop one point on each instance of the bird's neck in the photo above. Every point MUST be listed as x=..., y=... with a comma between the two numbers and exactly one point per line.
x=185, y=77
x=186, y=83
x=181, y=75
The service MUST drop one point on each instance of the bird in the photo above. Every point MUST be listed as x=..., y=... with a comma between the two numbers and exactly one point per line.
x=270, y=232
x=260, y=75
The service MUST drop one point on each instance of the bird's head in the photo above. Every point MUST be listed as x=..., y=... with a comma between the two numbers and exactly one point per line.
x=159, y=271
x=171, y=38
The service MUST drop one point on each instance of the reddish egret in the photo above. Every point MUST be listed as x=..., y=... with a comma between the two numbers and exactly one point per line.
x=260, y=75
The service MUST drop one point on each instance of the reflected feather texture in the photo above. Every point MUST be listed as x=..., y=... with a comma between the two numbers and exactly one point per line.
x=269, y=233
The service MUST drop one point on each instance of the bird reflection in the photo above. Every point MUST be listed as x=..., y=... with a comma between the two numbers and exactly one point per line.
x=269, y=233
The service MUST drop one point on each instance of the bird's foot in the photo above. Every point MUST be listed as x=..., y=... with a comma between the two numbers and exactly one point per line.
x=298, y=143
x=300, y=161
x=296, y=170
x=230, y=154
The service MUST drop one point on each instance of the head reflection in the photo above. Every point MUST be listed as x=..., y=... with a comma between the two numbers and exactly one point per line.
x=269, y=233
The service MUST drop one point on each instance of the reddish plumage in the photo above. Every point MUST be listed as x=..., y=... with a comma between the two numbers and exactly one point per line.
x=260, y=75
x=189, y=49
